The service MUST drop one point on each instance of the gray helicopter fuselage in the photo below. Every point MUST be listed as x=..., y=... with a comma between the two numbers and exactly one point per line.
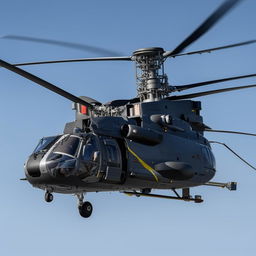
x=153, y=141
x=146, y=145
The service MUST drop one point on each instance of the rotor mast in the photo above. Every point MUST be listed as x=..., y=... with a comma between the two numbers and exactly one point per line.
x=152, y=83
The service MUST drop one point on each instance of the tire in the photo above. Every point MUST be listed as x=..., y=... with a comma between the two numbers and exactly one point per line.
x=85, y=209
x=48, y=197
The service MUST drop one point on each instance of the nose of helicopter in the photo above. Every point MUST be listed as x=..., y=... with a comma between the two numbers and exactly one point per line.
x=37, y=166
x=34, y=170
x=32, y=166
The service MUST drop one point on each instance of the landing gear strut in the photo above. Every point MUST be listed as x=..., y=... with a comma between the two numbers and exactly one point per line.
x=85, y=208
x=48, y=197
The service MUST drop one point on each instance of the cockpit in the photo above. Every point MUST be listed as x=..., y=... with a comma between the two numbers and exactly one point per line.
x=66, y=155
x=74, y=155
x=87, y=157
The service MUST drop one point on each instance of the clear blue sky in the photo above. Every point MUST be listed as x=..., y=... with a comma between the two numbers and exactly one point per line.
x=223, y=225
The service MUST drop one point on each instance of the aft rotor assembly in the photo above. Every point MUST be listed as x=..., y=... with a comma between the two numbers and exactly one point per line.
x=152, y=82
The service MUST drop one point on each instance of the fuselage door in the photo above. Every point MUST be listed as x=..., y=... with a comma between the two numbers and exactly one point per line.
x=113, y=160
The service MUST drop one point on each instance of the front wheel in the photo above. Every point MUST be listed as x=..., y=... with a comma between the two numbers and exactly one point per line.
x=85, y=209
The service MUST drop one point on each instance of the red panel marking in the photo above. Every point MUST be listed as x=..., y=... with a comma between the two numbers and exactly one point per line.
x=83, y=110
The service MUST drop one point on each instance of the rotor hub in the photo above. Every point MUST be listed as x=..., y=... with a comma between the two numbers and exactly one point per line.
x=151, y=51
x=151, y=80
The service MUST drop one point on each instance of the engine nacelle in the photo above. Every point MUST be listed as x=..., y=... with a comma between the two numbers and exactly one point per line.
x=141, y=135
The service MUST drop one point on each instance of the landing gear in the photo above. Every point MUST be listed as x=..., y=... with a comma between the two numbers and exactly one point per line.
x=85, y=208
x=187, y=197
x=48, y=197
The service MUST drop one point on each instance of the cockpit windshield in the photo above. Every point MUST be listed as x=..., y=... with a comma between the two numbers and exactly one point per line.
x=67, y=146
x=45, y=143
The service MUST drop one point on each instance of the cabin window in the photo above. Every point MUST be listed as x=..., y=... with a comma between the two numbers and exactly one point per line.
x=113, y=155
x=90, y=149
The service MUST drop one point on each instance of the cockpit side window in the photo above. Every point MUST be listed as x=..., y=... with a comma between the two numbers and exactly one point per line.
x=90, y=156
x=68, y=145
x=89, y=149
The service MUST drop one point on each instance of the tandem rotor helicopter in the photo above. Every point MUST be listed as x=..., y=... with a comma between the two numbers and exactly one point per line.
x=153, y=141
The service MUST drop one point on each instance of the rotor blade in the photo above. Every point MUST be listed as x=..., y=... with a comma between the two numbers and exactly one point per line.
x=44, y=83
x=204, y=27
x=125, y=58
x=232, y=132
x=82, y=47
x=190, y=86
x=214, y=49
x=200, y=94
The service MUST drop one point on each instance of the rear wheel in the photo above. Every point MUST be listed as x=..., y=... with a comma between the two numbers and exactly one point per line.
x=48, y=197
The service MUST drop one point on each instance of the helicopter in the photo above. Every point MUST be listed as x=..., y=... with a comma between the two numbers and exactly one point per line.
x=152, y=141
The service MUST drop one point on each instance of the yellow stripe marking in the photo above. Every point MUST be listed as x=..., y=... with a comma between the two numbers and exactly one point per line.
x=145, y=165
